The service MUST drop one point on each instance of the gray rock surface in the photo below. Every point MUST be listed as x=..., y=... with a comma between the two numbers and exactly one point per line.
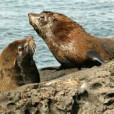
x=88, y=91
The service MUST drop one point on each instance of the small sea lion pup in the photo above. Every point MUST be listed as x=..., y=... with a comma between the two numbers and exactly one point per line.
x=17, y=66
x=71, y=45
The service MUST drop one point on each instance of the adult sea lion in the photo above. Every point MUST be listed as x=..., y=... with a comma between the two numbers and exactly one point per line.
x=17, y=66
x=71, y=45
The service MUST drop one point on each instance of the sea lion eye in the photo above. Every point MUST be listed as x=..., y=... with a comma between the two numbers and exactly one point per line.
x=22, y=47
x=42, y=17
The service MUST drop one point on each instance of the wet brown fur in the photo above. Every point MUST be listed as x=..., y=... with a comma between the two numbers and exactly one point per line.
x=63, y=31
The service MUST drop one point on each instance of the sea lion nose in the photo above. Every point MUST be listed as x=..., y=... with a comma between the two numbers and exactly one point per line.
x=31, y=18
x=30, y=41
x=32, y=15
x=30, y=38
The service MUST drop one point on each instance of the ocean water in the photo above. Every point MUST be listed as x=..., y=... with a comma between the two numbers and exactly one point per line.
x=96, y=16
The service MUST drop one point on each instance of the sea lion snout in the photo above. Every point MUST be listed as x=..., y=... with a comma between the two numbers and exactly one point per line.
x=32, y=14
x=40, y=22
x=30, y=38
x=30, y=41
x=31, y=44
x=33, y=18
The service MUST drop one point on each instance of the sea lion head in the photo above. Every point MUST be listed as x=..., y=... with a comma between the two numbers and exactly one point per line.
x=49, y=23
x=18, y=52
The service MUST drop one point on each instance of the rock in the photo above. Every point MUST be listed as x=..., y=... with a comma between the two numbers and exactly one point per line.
x=88, y=91
x=50, y=73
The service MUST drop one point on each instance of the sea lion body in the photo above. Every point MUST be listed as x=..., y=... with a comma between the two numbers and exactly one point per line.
x=17, y=66
x=71, y=45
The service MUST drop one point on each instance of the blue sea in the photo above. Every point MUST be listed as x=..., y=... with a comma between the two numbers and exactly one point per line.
x=96, y=16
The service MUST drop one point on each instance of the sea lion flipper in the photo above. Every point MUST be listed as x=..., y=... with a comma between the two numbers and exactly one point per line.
x=95, y=58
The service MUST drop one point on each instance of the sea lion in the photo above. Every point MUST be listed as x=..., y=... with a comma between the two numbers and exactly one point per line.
x=71, y=45
x=17, y=66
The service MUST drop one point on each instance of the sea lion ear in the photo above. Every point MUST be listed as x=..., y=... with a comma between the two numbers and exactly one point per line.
x=22, y=47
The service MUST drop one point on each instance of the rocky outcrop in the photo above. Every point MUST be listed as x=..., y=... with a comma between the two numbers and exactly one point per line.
x=88, y=91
